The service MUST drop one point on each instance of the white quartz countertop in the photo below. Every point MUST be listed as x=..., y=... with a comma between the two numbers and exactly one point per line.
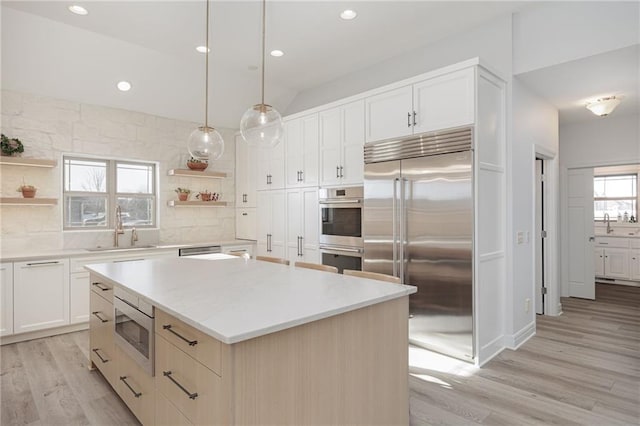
x=234, y=299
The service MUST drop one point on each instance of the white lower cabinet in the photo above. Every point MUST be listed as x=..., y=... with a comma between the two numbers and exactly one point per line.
x=246, y=224
x=41, y=294
x=302, y=225
x=6, y=299
x=634, y=265
x=616, y=263
x=271, y=223
x=598, y=262
x=79, y=297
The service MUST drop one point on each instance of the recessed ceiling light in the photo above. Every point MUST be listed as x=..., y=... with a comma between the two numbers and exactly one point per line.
x=277, y=53
x=124, y=86
x=203, y=49
x=348, y=14
x=78, y=10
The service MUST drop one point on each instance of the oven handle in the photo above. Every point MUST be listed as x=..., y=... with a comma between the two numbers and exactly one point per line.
x=348, y=250
x=351, y=201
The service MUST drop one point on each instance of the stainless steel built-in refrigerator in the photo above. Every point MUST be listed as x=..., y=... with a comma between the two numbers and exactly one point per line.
x=418, y=225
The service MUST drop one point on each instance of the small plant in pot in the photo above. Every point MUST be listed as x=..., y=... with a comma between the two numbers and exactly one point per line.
x=28, y=191
x=196, y=164
x=183, y=193
x=9, y=147
x=208, y=196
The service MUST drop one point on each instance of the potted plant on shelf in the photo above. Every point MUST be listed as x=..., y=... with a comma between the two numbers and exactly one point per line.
x=28, y=191
x=10, y=146
x=195, y=164
x=183, y=193
x=208, y=196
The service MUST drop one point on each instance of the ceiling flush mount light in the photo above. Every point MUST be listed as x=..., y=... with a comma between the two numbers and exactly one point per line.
x=203, y=49
x=124, y=86
x=205, y=143
x=277, y=53
x=262, y=125
x=348, y=14
x=78, y=10
x=603, y=106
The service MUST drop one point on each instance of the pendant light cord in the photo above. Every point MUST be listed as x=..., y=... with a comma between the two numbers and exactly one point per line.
x=206, y=73
x=264, y=13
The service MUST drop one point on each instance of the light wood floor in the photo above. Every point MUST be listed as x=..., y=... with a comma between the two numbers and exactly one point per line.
x=582, y=368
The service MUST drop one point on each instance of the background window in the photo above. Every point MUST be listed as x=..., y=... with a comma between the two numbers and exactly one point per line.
x=93, y=187
x=615, y=195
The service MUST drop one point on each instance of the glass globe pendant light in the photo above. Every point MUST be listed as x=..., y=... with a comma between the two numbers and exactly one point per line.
x=205, y=142
x=261, y=125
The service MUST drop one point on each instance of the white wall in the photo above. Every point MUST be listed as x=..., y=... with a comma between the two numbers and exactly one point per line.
x=491, y=42
x=49, y=127
x=555, y=32
x=535, y=126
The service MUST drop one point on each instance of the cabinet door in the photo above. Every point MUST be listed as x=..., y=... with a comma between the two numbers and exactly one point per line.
x=616, y=263
x=41, y=294
x=310, y=149
x=276, y=166
x=79, y=288
x=330, y=123
x=445, y=101
x=310, y=211
x=246, y=224
x=6, y=299
x=278, y=224
x=353, y=143
x=242, y=152
x=263, y=212
x=294, y=225
x=293, y=140
x=598, y=262
x=389, y=114
x=634, y=265
x=136, y=387
x=264, y=168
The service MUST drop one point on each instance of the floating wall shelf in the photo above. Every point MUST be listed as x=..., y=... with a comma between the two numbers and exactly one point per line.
x=15, y=201
x=197, y=173
x=176, y=203
x=27, y=162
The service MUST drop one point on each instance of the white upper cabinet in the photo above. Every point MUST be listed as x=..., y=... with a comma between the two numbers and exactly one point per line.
x=270, y=167
x=301, y=142
x=246, y=172
x=6, y=299
x=341, y=145
x=438, y=103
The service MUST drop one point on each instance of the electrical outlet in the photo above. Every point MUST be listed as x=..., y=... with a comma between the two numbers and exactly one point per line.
x=527, y=305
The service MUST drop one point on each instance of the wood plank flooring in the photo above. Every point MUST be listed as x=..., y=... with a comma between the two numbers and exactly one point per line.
x=582, y=368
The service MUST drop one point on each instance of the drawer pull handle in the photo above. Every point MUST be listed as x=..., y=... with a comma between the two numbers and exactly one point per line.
x=99, y=317
x=124, y=380
x=190, y=342
x=100, y=286
x=101, y=359
x=167, y=374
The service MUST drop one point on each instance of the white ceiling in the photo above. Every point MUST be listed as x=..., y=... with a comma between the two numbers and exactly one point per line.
x=569, y=86
x=120, y=38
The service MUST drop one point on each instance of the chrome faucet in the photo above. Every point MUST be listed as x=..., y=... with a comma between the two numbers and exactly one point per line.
x=134, y=236
x=119, y=228
x=608, y=220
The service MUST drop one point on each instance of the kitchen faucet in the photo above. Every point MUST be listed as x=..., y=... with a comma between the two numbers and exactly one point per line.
x=608, y=220
x=119, y=228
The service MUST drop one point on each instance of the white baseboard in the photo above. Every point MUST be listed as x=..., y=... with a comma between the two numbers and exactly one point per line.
x=490, y=350
x=22, y=337
x=514, y=341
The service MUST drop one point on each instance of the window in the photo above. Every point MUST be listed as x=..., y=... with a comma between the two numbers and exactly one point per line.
x=94, y=187
x=615, y=194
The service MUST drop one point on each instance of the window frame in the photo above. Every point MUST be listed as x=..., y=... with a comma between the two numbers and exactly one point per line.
x=111, y=195
x=631, y=198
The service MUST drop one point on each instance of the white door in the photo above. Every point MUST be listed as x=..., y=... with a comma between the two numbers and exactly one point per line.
x=330, y=145
x=294, y=140
x=6, y=299
x=389, y=114
x=310, y=150
x=581, y=274
x=353, y=143
x=445, y=101
x=310, y=212
x=616, y=263
x=598, y=262
x=634, y=265
x=79, y=288
x=539, y=240
x=294, y=225
x=41, y=294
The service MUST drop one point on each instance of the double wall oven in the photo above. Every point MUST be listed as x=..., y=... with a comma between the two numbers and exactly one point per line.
x=341, y=227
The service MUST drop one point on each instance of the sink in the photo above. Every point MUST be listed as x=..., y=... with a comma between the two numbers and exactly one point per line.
x=103, y=249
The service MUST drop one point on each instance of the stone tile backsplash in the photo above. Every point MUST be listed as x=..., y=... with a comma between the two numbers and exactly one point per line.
x=50, y=127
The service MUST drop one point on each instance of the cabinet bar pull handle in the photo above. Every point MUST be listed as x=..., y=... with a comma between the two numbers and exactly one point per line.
x=337, y=171
x=100, y=286
x=124, y=380
x=341, y=170
x=127, y=260
x=101, y=359
x=193, y=395
x=301, y=175
x=36, y=264
x=99, y=317
x=190, y=342
x=408, y=119
x=414, y=118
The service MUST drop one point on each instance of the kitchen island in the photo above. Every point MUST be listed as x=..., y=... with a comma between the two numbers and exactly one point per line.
x=247, y=342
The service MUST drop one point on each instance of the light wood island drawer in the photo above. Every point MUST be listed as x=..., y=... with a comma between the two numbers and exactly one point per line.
x=136, y=388
x=101, y=288
x=102, y=352
x=205, y=349
x=167, y=414
x=194, y=389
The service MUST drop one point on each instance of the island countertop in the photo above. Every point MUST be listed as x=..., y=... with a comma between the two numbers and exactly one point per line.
x=233, y=299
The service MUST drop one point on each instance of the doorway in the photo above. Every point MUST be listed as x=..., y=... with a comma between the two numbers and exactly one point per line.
x=540, y=234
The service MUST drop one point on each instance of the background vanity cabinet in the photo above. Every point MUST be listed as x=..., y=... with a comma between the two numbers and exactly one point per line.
x=598, y=262
x=271, y=223
x=634, y=265
x=302, y=225
x=301, y=147
x=616, y=263
x=40, y=294
x=614, y=258
x=6, y=299
x=341, y=145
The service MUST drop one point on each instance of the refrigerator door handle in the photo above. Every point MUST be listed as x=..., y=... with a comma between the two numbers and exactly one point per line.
x=403, y=226
x=394, y=220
